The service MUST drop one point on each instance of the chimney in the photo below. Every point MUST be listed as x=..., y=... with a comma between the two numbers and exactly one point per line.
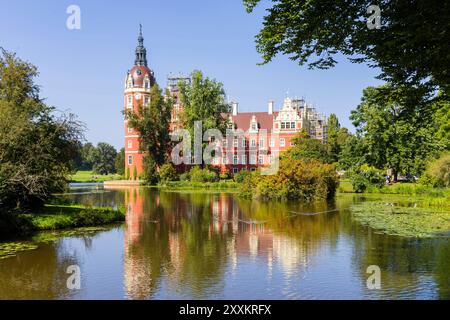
x=235, y=108
x=271, y=103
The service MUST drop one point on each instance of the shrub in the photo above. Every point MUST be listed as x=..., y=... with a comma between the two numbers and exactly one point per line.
x=302, y=179
x=185, y=176
x=241, y=175
x=366, y=177
x=224, y=176
x=167, y=173
x=438, y=172
x=202, y=175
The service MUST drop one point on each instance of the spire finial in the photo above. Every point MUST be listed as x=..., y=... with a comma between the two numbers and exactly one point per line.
x=141, y=52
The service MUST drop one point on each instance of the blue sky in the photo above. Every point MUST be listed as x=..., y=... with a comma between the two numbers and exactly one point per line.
x=83, y=70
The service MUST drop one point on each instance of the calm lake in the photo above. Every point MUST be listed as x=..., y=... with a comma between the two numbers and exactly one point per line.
x=192, y=245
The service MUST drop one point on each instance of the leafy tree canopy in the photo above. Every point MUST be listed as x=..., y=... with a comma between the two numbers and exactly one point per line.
x=37, y=144
x=411, y=47
x=395, y=133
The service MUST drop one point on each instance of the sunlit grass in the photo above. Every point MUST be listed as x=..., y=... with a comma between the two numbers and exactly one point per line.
x=89, y=176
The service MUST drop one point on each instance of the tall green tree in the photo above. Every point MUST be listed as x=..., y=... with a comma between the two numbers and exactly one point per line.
x=37, y=144
x=120, y=162
x=442, y=122
x=307, y=148
x=396, y=132
x=333, y=146
x=152, y=123
x=203, y=99
x=411, y=47
x=104, y=158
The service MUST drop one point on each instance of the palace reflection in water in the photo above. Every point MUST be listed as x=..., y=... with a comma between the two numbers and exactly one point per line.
x=182, y=245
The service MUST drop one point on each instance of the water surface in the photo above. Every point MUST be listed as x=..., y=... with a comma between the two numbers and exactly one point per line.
x=182, y=245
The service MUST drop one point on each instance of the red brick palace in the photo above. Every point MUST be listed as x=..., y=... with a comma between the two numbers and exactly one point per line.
x=265, y=134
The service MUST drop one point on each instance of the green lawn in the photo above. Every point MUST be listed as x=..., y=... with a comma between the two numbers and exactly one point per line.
x=54, y=217
x=89, y=176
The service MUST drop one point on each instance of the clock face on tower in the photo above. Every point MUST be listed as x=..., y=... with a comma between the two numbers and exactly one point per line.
x=138, y=72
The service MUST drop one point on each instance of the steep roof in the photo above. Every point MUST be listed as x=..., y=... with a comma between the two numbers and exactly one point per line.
x=243, y=119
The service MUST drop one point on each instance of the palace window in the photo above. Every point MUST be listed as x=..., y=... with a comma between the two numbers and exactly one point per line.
x=282, y=142
x=270, y=159
x=292, y=125
x=235, y=143
x=235, y=159
x=283, y=125
x=253, y=143
x=130, y=144
x=130, y=160
x=130, y=129
x=261, y=143
x=130, y=102
x=146, y=100
x=235, y=170
x=261, y=159
x=272, y=142
x=244, y=142
x=252, y=159
x=288, y=125
x=244, y=159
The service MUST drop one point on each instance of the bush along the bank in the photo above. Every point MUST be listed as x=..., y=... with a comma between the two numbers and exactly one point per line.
x=437, y=173
x=197, y=174
x=300, y=179
x=168, y=173
x=365, y=178
x=241, y=175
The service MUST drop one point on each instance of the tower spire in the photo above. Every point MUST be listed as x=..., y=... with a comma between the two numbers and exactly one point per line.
x=141, y=52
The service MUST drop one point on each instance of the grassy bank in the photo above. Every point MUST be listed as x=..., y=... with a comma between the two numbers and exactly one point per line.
x=420, y=220
x=401, y=188
x=188, y=185
x=89, y=176
x=54, y=217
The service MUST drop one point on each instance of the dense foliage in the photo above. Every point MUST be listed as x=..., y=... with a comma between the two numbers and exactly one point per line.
x=305, y=147
x=365, y=177
x=197, y=174
x=397, y=129
x=203, y=99
x=410, y=48
x=438, y=172
x=167, y=173
x=37, y=144
x=301, y=179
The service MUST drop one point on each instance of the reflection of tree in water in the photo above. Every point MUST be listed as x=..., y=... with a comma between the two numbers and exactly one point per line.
x=36, y=274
